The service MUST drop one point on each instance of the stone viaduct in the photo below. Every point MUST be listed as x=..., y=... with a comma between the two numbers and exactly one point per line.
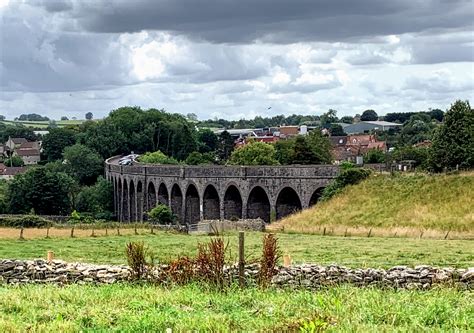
x=197, y=193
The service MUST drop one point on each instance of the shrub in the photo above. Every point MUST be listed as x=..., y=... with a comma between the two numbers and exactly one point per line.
x=210, y=262
x=136, y=258
x=161, y=214
x=157, y=157
x=349, y=176
x=26, y=221
x=269, y=260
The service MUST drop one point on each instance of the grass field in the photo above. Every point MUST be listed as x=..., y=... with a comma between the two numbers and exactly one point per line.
x=406, y=202
x=44, y=124
x=145, y=308
x=349, y=251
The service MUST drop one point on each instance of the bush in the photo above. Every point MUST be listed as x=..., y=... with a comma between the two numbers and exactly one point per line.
x=26, y=221
x=161, y=214
x=269, y=260
x=136, y=258
x=157, y=157
x=349, y=176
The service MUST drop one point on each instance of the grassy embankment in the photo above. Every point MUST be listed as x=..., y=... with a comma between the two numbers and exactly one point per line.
x=403, y=205
x=349, y=251
x=135, y=308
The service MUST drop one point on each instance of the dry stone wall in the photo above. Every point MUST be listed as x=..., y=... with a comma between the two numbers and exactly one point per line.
x=297, y=276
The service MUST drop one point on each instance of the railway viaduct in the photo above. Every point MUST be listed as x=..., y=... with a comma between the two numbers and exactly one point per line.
x=197, y=193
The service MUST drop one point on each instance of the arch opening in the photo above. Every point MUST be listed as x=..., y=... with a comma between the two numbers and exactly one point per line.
x=211, y=204
x=140, y=208
x=125, y=202
x=316, y=196
x=288, y=202
x=133, y=202
x=176, y=200
x=232, y=204
x=258, y=205
x=151, y=196
x=163, y=197
x=119, y=203
x=192, y=209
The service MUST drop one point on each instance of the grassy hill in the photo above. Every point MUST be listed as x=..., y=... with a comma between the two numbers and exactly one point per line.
x=408, y=202
x=43, y=124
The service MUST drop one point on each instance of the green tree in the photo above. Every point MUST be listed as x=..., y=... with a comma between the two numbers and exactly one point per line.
x=161, y=214
x=207, y=141
x=417, y=129
x=196, y=158
x=369, y=115
x=157, y=157
x=328, y=118
x=409, y=153
x=40, y=190
x=337, y=130
x=55, y=141
x=226, y=146
x=83, y=163
x=320, y=147
x=254, y=153
x=284, y=151
x=97, y=199
x=347, y=119
x=14, y=161
x=453, y=141
x=302, y=153
x=374, y=156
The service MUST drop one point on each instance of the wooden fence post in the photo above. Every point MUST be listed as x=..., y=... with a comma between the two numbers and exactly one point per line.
x=241, y=258
x=21, y=233
x=72, y=232
x=50, y=256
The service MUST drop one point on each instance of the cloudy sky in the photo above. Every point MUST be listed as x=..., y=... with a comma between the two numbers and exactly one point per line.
x=234, y=59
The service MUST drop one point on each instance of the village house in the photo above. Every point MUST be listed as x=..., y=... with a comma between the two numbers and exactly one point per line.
x=349, y=148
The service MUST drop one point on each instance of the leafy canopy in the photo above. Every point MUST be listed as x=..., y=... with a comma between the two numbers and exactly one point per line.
x=254, y=153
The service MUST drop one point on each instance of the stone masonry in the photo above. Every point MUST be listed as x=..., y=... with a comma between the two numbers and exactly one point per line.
x=196, y=193
x=297, y=276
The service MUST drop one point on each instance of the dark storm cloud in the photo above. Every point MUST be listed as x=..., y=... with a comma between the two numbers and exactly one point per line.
x=276, y=21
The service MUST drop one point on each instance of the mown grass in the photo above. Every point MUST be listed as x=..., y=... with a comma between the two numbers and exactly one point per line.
x=146, y=308
x=419, y=202
x=349, y=251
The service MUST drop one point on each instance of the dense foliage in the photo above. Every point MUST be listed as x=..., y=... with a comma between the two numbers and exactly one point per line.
x=254, y=153
x=161, y=214
x=453, y=142
x=42, y=192
x=157, y=157
x=349, y=176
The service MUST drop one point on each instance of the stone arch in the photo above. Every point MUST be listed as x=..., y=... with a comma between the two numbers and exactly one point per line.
x=287, y=202
x=316, y=196
x=258, y=204
x=125, y=202
x=119, y=200
x=151, y=196
x=211, y=203
x=140, y=203
x=163, y=197
x=232, y=203
x=133, y=202
x=192, y=205
x=176, y=200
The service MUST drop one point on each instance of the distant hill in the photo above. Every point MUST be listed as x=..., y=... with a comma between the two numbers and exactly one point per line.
x=44, y=124
x=440, y=202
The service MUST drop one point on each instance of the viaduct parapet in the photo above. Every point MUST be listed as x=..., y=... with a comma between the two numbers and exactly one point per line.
x=197, y=193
